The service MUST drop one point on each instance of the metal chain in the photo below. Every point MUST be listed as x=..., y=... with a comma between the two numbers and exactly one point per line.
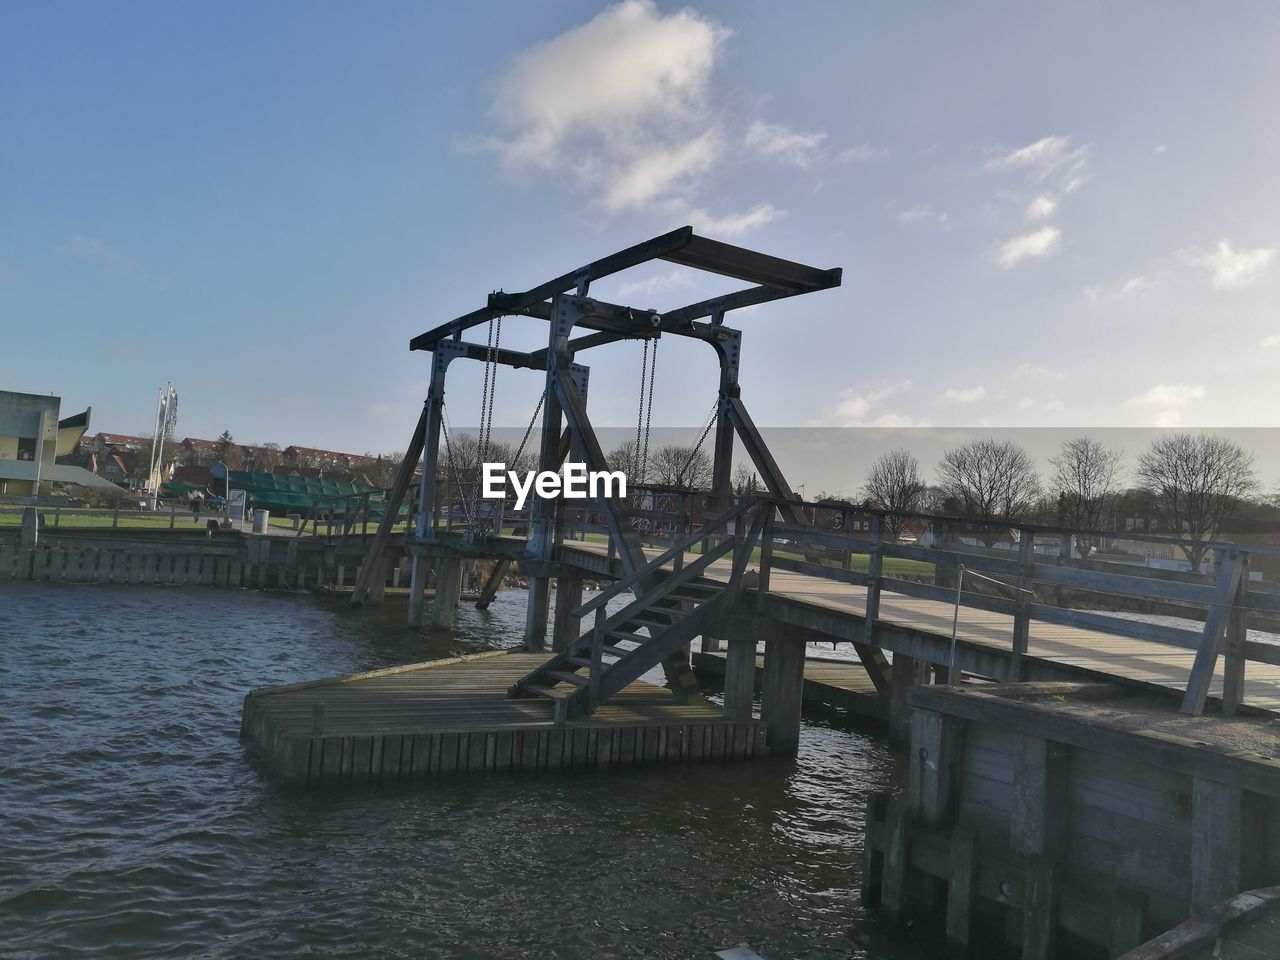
x=484, y=396
x=529, y=430
x=648, y=413
x=715, y=413
x=634, y=466
x=486, y=435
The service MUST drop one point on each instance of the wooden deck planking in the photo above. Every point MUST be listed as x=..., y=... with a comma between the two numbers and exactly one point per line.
x=456, y=715
x=1138, y=661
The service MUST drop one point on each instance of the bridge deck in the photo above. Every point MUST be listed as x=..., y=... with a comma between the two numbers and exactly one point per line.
x=1087, y=651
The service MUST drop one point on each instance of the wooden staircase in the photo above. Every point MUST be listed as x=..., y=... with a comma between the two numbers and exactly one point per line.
x=668, y=609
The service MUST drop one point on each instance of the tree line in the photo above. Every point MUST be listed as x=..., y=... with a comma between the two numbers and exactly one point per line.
x=1189, y=484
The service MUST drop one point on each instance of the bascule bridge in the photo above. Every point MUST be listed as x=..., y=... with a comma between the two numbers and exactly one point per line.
x=668, y=610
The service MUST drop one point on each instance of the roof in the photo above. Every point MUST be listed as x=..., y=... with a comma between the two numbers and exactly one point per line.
x=58, y=472
x=120, y=439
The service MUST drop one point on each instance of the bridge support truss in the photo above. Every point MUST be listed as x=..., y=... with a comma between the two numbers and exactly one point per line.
x=576, y=323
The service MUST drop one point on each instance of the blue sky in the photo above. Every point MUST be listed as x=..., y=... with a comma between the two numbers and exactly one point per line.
x=1055, y=215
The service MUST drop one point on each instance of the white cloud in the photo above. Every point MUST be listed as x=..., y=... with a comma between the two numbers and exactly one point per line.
x=1048, y=159
x=1132, y=287
x=1230, y=268
x=963, y=395
x=1271, y=341
x=922, y=213
x=777, y=142
x=862, y=153
x=1169, y=400
x=898, y=421
x=1135, y=285
x=1042, y=243
x=1041, y=207
x=677, y=279
x=654, y=174
x=854, y=407
x=618, y=104
x=1050, y=405
x=1031, y=371
x=1168, y=395
x=734, y=224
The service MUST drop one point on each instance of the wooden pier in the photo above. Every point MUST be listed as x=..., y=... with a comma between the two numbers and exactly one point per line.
x=418, y=722
x=1073, y=813
x=1246, y=927
x=836, y=683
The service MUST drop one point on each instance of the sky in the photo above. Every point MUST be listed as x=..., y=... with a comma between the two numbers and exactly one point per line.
x=1048, y=215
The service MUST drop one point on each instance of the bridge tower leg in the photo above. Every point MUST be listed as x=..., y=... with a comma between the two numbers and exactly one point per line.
x=448, y=587
x=783, y=691
x=565, y=627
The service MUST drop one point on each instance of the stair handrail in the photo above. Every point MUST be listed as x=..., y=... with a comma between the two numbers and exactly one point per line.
x=657, y=563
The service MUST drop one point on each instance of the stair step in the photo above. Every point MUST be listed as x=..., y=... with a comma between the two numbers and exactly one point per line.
x=584, y=659
x=705, y=586
x=641, y=619
x=676, y=598
x=566, y=677
x=633, y=637
x=551, y=693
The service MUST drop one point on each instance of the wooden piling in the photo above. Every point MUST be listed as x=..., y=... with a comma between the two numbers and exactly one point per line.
x=783, y=694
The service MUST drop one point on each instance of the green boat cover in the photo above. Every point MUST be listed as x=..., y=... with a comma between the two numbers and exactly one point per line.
x=292, y=494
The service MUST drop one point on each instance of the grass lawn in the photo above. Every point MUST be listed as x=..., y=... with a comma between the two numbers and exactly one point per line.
x=73, y=518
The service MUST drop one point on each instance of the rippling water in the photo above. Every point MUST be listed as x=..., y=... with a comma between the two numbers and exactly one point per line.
x=134, y=824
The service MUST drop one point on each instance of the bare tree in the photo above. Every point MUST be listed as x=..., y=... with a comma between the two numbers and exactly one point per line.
x=989, y=480
x=894, y=483
x=267, y=457
x=624, y=457
x=746, y=482
x=382, y=472
x=459, y=458
x=677, y=466
x=1195, y=480
x=1085, y=480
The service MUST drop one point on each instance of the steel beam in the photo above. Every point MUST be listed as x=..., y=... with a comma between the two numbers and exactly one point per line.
x=774, y=279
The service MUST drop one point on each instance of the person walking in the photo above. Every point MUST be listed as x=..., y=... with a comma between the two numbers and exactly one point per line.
x=195, y=507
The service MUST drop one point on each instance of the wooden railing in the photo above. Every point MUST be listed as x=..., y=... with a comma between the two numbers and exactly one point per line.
x=53, y=516
x=1225, y=599
x=740, y=545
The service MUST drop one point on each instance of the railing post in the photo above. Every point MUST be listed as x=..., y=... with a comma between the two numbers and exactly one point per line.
x=1233, y=663
x=766, y=551
x=173, y=514
x=1228, y=568
x=115, y=517
x=57, y=515
x=1022, y=605
x=875, y=570
x=597, y=663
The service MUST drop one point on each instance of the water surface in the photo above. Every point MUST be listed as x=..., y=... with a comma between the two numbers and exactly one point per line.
x=133, y=822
